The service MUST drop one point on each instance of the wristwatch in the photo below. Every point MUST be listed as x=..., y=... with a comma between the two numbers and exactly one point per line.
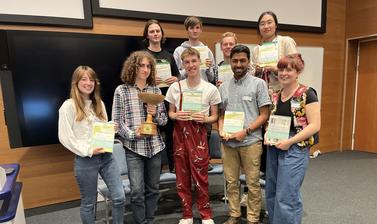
x=248, y=131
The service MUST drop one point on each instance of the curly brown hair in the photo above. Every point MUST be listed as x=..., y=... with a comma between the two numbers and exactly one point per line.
x=132, y=64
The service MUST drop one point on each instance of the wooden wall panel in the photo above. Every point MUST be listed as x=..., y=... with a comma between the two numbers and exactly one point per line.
x=47, y=170
x=349, y=94
x=361, y=18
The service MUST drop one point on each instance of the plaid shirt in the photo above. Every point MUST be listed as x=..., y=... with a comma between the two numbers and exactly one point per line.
x=129, y=112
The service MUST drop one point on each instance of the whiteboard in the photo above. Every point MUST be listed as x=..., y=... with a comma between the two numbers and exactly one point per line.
x=313, y=71
x=51, y=8
x=242, y=13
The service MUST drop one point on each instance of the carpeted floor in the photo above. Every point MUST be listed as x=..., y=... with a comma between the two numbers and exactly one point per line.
x=339, y=188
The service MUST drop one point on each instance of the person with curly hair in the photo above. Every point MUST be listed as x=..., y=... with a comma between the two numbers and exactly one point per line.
x=143, y=153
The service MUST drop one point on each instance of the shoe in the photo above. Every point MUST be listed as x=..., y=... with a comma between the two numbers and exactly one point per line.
x=210, y=167
x=186, y=221
x=233, y=220
x=208, y=221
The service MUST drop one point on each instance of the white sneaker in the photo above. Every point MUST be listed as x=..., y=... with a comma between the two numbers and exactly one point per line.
x=186, y=221
x=208, y=221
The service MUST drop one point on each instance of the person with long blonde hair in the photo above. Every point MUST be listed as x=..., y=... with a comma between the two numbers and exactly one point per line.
x=76, y=118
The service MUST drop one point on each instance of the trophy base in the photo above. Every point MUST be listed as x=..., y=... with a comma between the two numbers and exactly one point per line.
x=148, y=129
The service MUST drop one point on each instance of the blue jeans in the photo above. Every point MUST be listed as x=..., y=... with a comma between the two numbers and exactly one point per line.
x=284, y=177
x=144, y=175
x=86, y=173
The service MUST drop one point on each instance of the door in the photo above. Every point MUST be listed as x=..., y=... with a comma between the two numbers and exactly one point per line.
x=366, y=103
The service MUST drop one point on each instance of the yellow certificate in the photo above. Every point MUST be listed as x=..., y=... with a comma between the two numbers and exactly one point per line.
x=233, y=122
x=225, y=72
x=268, y=54
x=163, y=71
x=278, y=129
x=204, y=52
x=103, y=136
x=192, y=100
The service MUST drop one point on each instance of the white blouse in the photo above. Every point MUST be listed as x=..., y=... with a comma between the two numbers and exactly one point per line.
x=76, y=135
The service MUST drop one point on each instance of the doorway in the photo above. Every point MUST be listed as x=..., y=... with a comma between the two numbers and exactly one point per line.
x=365, y=119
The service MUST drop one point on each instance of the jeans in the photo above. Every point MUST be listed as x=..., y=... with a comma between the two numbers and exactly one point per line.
x=86, y=172
x=144, y=175
x=249, y=158
x=284, y=177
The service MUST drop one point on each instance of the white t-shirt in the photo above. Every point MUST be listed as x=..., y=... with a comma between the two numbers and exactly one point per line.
x=210, y=94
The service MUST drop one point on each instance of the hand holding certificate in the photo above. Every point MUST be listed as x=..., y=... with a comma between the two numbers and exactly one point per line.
x=204, y=52
x=278, y=129
x=163, y=72
x=233, y=122
x=103, y=136
x=268, y=54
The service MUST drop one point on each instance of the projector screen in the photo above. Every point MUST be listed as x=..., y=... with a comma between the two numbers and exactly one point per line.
x=292, y=14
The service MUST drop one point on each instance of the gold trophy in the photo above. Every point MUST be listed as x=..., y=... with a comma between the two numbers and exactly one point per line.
x=148, y=127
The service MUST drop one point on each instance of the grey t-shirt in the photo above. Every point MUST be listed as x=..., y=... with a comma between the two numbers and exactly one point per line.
x=247, y=94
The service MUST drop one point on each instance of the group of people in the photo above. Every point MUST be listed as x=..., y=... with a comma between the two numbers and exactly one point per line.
x=255, y=83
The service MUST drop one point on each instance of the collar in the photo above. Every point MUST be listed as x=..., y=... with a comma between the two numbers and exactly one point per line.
x=241, y=80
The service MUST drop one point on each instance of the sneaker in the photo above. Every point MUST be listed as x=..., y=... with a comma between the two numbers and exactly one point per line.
x=208, y=221
x=233, y=220
x=186, y=221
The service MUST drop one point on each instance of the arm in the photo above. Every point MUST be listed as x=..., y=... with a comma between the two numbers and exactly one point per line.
x=119, y=113
x=178, y=61
x=67, y=138
x=210, y=62
x=202, y=118
x=264, y=113
x=313, y=116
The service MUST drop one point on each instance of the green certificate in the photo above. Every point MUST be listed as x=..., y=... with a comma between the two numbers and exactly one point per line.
x=278, y=129
x=163, y=71
x=225, y=73
x=233, y=122
x=204, y=52
x=192, y=100
x=268, y=54
x=103, y=136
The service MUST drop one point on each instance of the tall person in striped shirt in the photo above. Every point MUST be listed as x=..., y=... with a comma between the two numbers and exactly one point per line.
x=143, y=152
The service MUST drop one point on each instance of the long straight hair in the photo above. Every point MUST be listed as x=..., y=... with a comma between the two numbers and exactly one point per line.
x=78, y=99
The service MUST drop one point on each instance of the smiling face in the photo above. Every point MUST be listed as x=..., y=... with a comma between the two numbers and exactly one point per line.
x=240, y=64
x=287, y=76
x=86, y=85
x=191, y=64
x=267, y=27
x=154, y=34
x=143, y=70
x=227, y=44
x=194, y=32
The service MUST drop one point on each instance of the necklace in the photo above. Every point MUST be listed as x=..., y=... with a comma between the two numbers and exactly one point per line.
x=285, y=96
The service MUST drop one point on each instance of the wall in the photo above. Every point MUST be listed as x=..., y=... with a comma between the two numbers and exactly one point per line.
x=361, y=23
x=47, y=170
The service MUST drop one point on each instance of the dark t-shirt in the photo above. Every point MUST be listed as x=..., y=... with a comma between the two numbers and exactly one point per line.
x=165, y=55
x=284, y=108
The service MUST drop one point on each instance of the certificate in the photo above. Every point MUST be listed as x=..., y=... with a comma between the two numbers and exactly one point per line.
x=163, y=71
x=204, y=52
x=225, y=73
x=268, y=54
x=278, y=129
x=192, y=100
x=103, y=136
x=233, y=122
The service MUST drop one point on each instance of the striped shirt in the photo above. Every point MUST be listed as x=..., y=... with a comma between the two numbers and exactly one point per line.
x=130, y=112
